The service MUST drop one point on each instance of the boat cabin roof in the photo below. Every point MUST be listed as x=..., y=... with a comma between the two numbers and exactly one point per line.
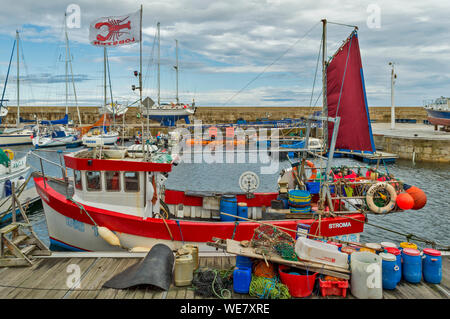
x=112, y=160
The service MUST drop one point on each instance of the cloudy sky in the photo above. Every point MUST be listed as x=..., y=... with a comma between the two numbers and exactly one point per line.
x=231, y=52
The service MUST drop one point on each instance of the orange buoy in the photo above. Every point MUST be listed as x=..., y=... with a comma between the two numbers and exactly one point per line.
x=405, y=201
x=419, y=196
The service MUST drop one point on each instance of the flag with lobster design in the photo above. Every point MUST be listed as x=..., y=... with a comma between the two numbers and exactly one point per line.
x=116, y=31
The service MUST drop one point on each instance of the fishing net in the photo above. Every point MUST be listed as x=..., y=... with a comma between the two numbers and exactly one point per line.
x=269, y=239
x=268, y=288
x=209, y=282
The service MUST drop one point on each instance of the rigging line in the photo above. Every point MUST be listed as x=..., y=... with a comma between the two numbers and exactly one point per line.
x=149, y=62
x=109, y=79
x=343, y=77
x=315, y=77
x=315, y=74
x=343, y=24
x=27, y=71
x=275, y=61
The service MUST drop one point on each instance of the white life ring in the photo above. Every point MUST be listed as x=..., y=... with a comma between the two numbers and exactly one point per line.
x=373, y=189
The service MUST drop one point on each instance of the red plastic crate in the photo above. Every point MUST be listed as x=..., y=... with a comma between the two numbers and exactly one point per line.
x=333, y=288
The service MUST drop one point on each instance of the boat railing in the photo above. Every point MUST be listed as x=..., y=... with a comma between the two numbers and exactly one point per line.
x=61, y=166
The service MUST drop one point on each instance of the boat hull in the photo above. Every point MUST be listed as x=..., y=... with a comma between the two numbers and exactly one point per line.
x=97, y=140
x=14, y=139
x=74, y=230
x=53, y=142
x=438, y=117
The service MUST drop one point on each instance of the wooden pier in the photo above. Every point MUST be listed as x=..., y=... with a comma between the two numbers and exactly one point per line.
x=370, y=158
x=29, y=199
x=51, y=277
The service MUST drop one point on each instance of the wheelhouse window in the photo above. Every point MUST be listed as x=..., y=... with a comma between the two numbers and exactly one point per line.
x=131, y=181
x=93, y=181
x=77, y=179
x=112, y=181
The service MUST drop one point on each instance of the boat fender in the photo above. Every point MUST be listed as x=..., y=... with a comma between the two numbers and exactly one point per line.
x=372, y=191
x=20, y=182
x=9, y=153
x=313, y=169
x=108, y=236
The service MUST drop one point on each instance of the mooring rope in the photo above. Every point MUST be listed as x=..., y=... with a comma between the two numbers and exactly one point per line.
x=83, y=209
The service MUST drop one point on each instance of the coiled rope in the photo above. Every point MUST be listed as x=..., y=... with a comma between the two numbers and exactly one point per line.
x=268, y=288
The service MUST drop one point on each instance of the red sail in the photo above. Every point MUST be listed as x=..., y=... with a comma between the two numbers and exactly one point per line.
x=346, y=98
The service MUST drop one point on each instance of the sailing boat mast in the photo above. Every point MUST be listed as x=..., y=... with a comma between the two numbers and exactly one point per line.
x=176, y=68
x=18, y=93
x=140, y=60
x=324, y=84
x=104, y=76
x=159, y=75
x=67, y=66
x=6, y=80
x=71, y=71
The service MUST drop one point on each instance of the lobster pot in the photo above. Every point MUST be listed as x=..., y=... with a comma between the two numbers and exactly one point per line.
x=412, y=265
x=299, y=201
x=432, y=266
x=228, y=205
x=389, y=271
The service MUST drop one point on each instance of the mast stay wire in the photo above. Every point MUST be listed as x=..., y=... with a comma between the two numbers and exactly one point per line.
x=271, y=64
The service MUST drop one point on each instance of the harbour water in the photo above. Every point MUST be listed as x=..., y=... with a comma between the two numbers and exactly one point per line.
x=431, y=222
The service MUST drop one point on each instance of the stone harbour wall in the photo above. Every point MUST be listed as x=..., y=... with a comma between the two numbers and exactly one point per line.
x=210, y=114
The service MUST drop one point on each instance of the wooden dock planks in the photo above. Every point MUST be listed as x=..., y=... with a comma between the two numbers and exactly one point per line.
x=48, y=279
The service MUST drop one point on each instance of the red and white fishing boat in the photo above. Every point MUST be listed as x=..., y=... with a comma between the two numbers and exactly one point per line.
x=122, y=194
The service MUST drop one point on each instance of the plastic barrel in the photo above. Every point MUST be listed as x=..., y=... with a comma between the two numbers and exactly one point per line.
x=194, y=252
x=389, y=270
x=385, y=244
x=366, y=276
x=412, y=265
x=243, y=262
x=432, y=266
x=241, y=280
x=242, y=211
x=408, y=245
x=184, y=270
x=397, y=253
x=228, y=205
x=299, y=201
